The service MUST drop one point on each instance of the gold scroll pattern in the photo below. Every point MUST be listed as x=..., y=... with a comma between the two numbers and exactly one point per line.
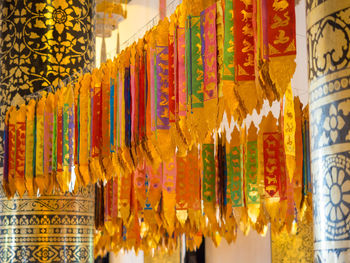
x=41, y=44
x=328, y=34
x=58, y=228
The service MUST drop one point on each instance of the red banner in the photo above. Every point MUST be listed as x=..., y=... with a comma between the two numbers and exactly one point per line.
x=272, y=142
x=244, y=40
x=281, y=28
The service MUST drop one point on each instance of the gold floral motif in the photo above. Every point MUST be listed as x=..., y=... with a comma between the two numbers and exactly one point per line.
x=42, y=43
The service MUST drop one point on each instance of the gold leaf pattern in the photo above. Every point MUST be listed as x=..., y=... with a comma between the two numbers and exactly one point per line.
x=39, y=47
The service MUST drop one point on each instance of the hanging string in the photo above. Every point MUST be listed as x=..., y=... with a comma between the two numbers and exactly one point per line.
x=150, y=24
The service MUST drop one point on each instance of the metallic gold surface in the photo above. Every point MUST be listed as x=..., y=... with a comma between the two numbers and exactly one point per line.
x=47, y=229
x=328, y=37
x=163, y=257
x=293, y=248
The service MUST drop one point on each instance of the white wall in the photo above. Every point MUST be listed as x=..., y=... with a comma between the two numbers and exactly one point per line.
x=247, y=249
x=126, y=257
x=142, y=16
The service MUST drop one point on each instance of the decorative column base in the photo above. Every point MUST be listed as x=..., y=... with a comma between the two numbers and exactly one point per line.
x=57, y=228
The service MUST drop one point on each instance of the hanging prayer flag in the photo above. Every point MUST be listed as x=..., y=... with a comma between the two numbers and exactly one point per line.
x=209, y=182
x=181, y=77
x=197, y=84
x=272, y=169
x=7, y=150
x=40, y=180
x=234, y=170
x=171, y=77
x=182, y=185
x=84, y=129
x=281, y=42
x=289, y=132
x=20, y=150
x=228, y=65
x=169, y=194
x=245, y=56
x=193, y=173
x=48, y=140
x=209, y=50
x=29, y=148
x=251, y=174
x=162, y=88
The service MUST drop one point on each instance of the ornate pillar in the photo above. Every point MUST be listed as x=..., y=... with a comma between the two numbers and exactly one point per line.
x=43, y=43
x=48, y=229
x=328, y=36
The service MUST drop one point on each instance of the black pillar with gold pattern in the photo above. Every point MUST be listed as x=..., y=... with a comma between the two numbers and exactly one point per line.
x=328, y=36
x=43, y=43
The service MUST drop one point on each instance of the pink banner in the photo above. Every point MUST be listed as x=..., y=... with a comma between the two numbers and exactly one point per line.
x=115, y=198
x=153, y=116
x=169, y=176
x=208, y=21
x=181, y=73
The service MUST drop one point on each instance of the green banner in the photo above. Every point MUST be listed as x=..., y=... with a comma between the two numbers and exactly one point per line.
x=208, y=173
x=228, y=68
x=251, y=176
x=234, y=177
x=194, y=62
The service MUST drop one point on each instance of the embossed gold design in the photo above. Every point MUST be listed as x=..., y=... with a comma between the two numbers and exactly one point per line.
x=294, y=248
x=47, y=229
x=328, y=36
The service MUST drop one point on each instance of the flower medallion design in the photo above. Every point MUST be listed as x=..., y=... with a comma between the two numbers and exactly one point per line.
x=333, y=123
x=23, y=254
x=337, y=198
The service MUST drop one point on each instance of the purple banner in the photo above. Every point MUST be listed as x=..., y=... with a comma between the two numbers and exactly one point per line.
x=162, y=88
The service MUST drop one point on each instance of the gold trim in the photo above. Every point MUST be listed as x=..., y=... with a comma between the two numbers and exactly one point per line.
x=325, y=9
x=54, y=197
x=333, y=149
x=329, y=77
x=344, y=94
x=66, y=235
x=46, y=226
x=40, y=244
x=13, y=212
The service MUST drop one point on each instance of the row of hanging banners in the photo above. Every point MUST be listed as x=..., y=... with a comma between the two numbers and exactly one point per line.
x=146, y=129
